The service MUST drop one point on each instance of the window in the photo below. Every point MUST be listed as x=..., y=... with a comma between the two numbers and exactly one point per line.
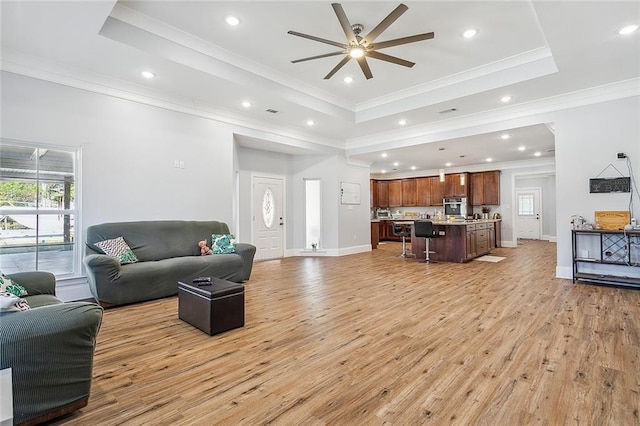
x=38, y=209
x=312, y=213
x=525, y=205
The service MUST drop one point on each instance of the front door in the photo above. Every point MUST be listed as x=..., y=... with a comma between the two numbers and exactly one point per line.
x=268, y=217
x=528, y=220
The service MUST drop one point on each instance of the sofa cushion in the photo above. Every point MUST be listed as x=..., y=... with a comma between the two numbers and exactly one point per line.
x=7, y=285
x=118, y=248
x=9, y=302
x=223, y=243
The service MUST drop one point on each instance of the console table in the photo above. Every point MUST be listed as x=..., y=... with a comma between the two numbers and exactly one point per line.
x=606, y=257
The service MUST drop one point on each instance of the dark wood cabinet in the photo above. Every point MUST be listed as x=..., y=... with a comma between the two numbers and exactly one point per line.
x=471, y=241
x=423, y=191
x=456, y=185
x=408, y=192
x=437, y=191
x=375, y=234
x=373, y=189
x=395, y=193
x=383, y=193
x=485, y=188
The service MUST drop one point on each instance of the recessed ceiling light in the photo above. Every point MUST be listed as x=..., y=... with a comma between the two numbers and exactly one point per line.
x=537, y=154
x=396, y=164
x=448, y=164
x=348, y=79
x=147, y=74
x=505, y=136
x=628, y=29
x=521, y=148
x=505, y=99
x=232, y=20
x=310, y=122
x=470, y=33
x=402, y=122
x=246, y=104
x=383, y=171
x=489, y=160
x=384, y=155
x=413, y=167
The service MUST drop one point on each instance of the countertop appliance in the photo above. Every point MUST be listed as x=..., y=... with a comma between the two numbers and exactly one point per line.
x=455, y=207
x=383, y=214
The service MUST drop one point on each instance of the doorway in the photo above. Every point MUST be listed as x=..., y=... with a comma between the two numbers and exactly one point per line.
x=268, y=216
x=528, y=214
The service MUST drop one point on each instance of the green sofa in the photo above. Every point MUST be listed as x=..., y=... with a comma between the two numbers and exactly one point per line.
x=167, y=251
x=49, y=349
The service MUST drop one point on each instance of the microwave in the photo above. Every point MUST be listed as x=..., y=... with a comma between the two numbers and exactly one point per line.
x=455, y=207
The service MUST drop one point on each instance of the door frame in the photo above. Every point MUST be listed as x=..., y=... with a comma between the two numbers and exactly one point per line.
x=515, y=210
x=284, y=207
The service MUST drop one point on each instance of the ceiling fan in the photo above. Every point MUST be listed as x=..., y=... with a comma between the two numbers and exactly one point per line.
x=359, y=47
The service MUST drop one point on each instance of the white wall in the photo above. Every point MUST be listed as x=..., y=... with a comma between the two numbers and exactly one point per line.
x=128, y=152
x=587, y=140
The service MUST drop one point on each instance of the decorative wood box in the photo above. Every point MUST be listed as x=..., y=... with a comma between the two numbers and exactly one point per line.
x=611, y=220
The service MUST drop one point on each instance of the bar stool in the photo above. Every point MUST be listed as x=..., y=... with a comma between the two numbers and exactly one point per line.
x=424, y=229
x=402, y=230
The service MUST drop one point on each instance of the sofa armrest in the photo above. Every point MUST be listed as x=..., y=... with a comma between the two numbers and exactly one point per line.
x=36, y=282
x=247, y=252
x=49, y=348
x=101, y=269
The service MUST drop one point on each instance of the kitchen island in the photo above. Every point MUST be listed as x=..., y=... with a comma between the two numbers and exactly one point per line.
x=459, y=241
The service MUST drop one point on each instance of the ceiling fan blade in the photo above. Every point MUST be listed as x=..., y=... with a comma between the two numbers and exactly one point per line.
x=362, y=61
x=337, y=67
x=403, y=40
x=321, y=40
x=326, y=55
x=344, y=22
x=385, y=23
x=389, y=58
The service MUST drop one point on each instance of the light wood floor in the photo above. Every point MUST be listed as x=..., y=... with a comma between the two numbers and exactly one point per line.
x=373, y=339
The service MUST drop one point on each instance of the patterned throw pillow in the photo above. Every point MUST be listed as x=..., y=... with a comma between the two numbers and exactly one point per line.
x=9, y=302
x=118, y=248
x=7, y=285
x=223, y=243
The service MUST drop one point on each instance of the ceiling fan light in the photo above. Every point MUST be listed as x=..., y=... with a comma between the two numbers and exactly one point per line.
x=348, y=79
x=356, y=52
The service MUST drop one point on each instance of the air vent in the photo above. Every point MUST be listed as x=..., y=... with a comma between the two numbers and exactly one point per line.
x=447, y=111
x=272, y=111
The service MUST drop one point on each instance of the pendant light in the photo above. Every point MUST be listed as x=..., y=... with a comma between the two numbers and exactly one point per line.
x=462, y=179
x=441, y=175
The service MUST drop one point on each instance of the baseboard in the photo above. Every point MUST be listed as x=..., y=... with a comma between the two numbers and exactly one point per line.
x=508, y=244
x=71, y=289
x=328, y=252
x=564, y=272
x=550, y=238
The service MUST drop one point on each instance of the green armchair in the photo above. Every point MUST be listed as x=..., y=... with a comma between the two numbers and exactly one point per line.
x=50, y=350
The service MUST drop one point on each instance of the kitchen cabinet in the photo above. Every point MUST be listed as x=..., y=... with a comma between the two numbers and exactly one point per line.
x=395, y=193
x=485, y=188
x=491, y=234
x=437, y=191
x=408, y=192
x=383, y=193
x=375, y=234
x=471, y=242
x=423, y=191
x=456, y=185
x=373, y=189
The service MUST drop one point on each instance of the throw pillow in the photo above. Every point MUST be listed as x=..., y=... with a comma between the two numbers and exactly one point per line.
x=7, y=285
x=118, y=248
x=9, y=302
x=223, y=243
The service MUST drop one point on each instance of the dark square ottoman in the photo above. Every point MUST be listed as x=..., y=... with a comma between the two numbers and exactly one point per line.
x=213, y=308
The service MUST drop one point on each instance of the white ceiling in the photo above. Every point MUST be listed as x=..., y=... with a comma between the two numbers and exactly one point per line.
x=538, y=52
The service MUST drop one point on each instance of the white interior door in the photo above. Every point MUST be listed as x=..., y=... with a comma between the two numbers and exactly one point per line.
x=268, y=217
x=528, y=214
